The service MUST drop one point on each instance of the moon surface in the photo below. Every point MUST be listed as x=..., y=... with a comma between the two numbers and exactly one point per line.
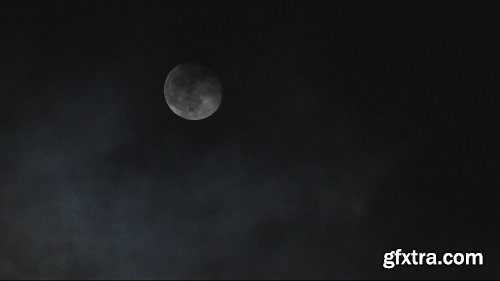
x=193, y=91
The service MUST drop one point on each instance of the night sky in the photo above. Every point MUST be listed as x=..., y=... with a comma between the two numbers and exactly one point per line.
x=347, y=130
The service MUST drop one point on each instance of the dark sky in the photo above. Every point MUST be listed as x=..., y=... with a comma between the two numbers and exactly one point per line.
x=348, y=129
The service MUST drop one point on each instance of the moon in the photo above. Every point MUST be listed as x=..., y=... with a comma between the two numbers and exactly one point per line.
x=193, y=91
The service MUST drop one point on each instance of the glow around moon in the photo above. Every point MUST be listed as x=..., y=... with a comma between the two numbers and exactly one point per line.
x=193, y=91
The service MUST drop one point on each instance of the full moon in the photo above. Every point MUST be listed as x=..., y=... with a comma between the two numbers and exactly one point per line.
x=193, y=91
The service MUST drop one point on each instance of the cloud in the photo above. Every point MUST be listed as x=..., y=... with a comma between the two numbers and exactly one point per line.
x=94, y=187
